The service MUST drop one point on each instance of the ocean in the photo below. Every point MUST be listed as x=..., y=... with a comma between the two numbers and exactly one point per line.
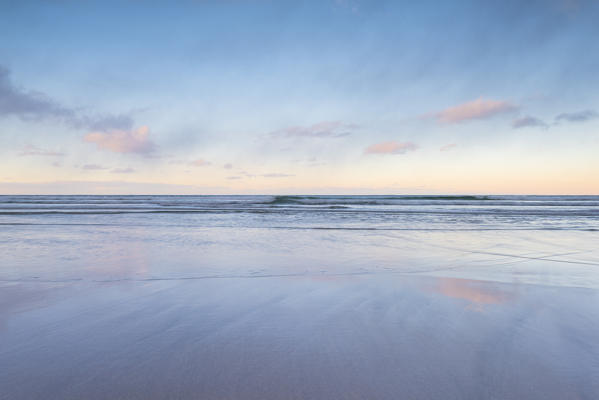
x=542, y=239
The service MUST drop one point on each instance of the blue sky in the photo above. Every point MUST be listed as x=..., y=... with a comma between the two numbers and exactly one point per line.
x=299, y=97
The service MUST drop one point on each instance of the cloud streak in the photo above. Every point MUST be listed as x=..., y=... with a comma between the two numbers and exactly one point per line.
x=128, y=170
x=474, y=110
x=104, y=122
x=276, y=175
x=391, y=147
x=93, y=167
x=528, y=121
x=448, y=147
x=325, y=129
x=579, y=116
x=123, y=141
x=30, y=105
x=31, y=150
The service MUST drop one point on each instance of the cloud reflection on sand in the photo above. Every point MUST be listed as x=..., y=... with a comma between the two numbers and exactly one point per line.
x=478, y=293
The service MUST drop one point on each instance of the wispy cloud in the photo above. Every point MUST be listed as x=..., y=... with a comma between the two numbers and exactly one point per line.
x=246, y=174
x=30, y=105
x=276, y=175
x=234, y=177
x=310, y=162
x=325, y=129
x=200, y=162
x=93, y=167
x=31, y=150
x=228, y=166
x=569, y=6
x=350, y=5
x=473, y=110
x=128, y=170
x=448, y=147
x=105, y=187
x=391, y=147
x=27, y=104
x=105, y=122
x=119, y=141
x=528, y=121
x=579, y=116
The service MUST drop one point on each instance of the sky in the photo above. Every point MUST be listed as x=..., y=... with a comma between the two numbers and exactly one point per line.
x=321, y=97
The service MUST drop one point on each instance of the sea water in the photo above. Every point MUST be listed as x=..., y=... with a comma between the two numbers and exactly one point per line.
x=551, y=240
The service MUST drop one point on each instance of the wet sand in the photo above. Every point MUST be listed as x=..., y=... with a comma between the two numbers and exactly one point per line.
x=372, y=336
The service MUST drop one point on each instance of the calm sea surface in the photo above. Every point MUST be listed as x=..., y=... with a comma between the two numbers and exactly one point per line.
x=543, y=239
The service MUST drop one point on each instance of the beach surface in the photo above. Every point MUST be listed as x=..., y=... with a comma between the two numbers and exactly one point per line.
x=448, y=299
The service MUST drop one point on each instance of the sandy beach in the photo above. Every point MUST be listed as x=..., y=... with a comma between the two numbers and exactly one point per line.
x=310, y=337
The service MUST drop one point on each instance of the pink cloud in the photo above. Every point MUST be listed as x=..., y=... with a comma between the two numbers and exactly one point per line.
x=123, y=141
x=199, y=163
x=390, y=148
x=448, y=147
x=477, y=109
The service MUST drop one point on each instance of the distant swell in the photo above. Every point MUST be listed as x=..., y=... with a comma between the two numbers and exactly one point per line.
x=365, y=200
x=401, y=212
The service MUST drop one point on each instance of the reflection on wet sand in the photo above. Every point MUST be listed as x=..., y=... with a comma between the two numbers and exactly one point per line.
x=18, y=297
x=363, y=336
x=477, y=293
